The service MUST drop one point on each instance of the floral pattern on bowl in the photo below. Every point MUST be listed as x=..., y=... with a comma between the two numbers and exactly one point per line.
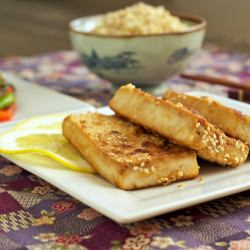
x=180, y=54
x=122, y=61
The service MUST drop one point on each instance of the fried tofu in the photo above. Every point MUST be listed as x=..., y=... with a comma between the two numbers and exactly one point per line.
x=180, y=125
x=126, y=154
x=231, y=121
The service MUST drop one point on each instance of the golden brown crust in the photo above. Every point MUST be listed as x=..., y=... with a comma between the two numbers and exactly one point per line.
x=233, y=122
x=180, y=125
x=127, y=155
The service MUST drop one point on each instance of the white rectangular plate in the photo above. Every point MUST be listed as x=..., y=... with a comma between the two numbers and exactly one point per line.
x=130, y=206
x=33, y=100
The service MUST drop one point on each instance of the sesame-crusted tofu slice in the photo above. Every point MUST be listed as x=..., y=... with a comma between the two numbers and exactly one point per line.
x=127, y=155
x=233, y=122
x=180, y=125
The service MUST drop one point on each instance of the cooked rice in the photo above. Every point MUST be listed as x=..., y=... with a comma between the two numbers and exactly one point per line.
x=139, y=19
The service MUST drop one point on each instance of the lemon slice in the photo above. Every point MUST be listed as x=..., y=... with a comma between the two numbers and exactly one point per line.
x=35, y=159
x=49, y=142
x=53, y=121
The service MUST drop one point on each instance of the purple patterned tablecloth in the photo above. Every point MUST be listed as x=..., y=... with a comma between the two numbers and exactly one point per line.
x=36, y=215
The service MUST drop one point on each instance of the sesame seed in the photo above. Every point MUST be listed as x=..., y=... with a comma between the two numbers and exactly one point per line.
x=163, y=180
x=197, y=125
x=142, y=164
x=221, y=148
x=227, y=155
x=179, y=105
x=243, y=149
x=181, y=185
x=152, y=169
x=146, y=170
x=236, y=159
x=135, y=168
x=130, y=86
x=201, y=179
x=165, y=183
x=204, y=136
x=180, y=173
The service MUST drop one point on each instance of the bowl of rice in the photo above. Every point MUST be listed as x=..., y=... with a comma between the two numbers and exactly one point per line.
x=141, y=43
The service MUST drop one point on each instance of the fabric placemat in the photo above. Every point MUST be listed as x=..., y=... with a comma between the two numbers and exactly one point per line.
x=36, y=215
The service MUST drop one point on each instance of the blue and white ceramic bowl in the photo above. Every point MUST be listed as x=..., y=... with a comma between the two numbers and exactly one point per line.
x=144, y=60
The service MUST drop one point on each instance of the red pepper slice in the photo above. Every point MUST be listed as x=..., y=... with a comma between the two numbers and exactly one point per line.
x=8, y=113
x=9, y=89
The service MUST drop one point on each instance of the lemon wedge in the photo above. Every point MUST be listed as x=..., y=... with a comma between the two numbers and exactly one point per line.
x=43, y=135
